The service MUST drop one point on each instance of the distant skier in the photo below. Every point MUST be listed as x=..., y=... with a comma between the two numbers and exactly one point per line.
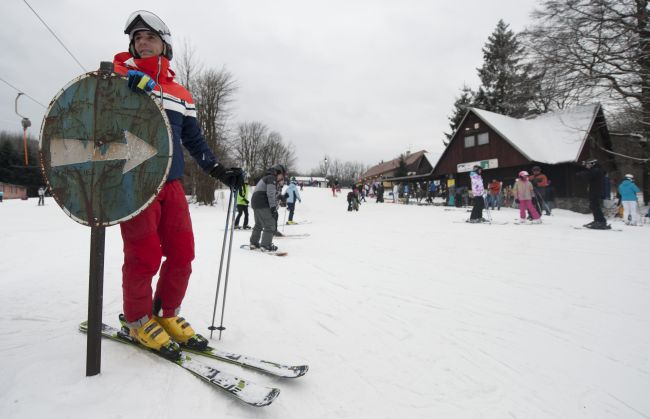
x=41, y=196
x=479, y=195
x=265, y=209
x=380, y=192
x=596, y=178
x=523, y=192
x=432, y=192
x=628, y=191
x=540, y=184
x=242, y=204
x=494, y=197
x=292, y=196
x=353, y=199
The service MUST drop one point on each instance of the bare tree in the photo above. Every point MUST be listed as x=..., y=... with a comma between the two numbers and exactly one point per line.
x=272, y=150
x=213, y=91
x=247, y=146
x=347, y=173
x=256, y=149
x=187, y=69
x=187, y=65
x=598, y=49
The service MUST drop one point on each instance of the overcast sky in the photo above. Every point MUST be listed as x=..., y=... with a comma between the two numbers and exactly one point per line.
x=360, y=80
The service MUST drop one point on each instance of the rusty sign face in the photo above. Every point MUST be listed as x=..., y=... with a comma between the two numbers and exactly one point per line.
x=105, y=150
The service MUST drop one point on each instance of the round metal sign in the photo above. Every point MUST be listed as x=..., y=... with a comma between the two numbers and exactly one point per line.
x=105, y=150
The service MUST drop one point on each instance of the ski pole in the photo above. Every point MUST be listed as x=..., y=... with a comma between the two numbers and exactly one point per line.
x=543, y=205
x=487, y=209
x=223, y=248
x=284, y=219
x=225, y=284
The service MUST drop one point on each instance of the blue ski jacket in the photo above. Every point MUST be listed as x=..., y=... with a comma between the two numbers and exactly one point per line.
x=628, y=190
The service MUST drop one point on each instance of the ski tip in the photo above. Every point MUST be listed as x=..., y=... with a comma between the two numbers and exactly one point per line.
x=302, y=370
x=273, y=394
x=296, y=372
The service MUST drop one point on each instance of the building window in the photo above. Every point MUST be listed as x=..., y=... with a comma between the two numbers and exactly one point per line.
x=483, y=138
x=469, y=141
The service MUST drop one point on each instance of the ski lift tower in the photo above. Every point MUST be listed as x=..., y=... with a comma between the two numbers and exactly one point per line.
x=26, y=123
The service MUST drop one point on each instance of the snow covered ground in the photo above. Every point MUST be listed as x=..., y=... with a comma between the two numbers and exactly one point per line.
x=399, y=311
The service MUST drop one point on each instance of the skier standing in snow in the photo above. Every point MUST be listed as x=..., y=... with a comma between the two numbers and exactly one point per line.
x=164, y=228
x=353, y=199
x=540, y=183
x=242, y=204
x=596, y=178
x=479, y=195
x=523, y=192
x=380, y=192
x=265, y=209
x=432, y=192
x=494, y=197
x=41, y=196
x=292, y=196
x=628, y=191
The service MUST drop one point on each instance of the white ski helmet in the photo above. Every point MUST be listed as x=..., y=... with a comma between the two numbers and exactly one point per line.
x=144, y=20
x=629, y=176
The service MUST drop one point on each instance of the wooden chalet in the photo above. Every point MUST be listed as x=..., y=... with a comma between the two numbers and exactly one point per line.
x=503, y=146
x=417, y=166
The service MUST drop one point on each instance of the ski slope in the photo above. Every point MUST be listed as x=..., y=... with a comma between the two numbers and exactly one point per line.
x=400, y=311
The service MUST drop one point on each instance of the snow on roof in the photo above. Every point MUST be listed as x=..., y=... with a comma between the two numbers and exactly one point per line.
x=391, y=165
x=553, y=137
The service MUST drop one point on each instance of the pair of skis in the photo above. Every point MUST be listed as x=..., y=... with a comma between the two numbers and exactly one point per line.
x=266, y=252
x=483, y=222
x=243, y=390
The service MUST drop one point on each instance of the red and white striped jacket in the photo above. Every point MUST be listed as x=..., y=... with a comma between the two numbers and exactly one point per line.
x=180, y=110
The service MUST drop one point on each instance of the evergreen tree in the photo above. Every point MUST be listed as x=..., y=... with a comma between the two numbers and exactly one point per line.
x=462, y=103
x=505, y=84
x=12, y=162
x=401, y=168
x=8, y=158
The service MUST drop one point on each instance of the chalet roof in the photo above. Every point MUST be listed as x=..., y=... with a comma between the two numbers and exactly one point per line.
x=392, y=165
x=553, y=137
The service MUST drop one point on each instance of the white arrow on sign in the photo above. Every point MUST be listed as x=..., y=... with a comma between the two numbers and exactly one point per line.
x=136, y=151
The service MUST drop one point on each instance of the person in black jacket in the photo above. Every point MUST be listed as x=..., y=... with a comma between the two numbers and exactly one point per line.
x=596, y=178
x=265, y=209
x=380, y=192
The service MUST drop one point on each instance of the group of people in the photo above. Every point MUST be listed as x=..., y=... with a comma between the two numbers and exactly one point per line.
x=530, y=192
x=599, y=190
x=160, y=240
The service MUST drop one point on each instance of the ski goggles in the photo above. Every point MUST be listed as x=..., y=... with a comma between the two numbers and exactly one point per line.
x=150, y=20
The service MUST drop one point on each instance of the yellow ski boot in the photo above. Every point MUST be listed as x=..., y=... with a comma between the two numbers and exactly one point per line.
x=154, y=337
x=181, y=331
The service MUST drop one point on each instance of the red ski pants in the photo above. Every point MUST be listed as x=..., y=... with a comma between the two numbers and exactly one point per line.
x=163, y=229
